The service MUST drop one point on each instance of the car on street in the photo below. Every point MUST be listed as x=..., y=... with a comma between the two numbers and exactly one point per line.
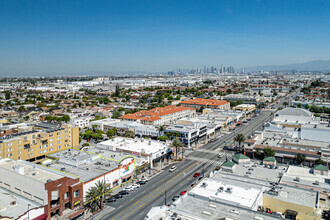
x=175, y=198
x=141, y=182
x=183, y=192
x=145, y=179
x=197, y=174
x=135, y=185
x=123, y=192
x=129, y=188
x=172, y=168
x=118, y=196
x=112, y=199
x=220, y=155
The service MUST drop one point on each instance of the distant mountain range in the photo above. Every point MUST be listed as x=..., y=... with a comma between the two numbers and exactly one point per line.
x=316, y=65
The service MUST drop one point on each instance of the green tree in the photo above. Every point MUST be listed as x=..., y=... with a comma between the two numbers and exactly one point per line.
x=269, y=152
x=299, y=105
x=7, y=95
x=319, y=161
x=111, y=133
x=88, y=134
x=117, y=92
x=285, y=104
x=161, y=129
x=116, y=114
x=163, y=138
x=300, y=158
x=85, y=144
x=66, y=118
x=21, y=109
x=239, y=138
x=129, y=134
x=177, y=144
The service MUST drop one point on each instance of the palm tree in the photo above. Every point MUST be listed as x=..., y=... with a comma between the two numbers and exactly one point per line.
x=91, y=197
x=129, y=134
x=177, y=144
x=239, y=138
x=285, y=104
x=161, y=129
x=102, y=190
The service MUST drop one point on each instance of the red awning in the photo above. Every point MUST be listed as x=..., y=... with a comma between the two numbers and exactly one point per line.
x=41, y=217
x=239, y=122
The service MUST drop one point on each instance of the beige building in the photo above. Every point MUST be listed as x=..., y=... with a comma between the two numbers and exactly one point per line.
x=33, y=142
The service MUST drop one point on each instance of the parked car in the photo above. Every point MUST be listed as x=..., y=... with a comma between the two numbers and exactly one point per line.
x=175, y=198
x=145, y=179
x=135, y=185
x=183, y=192
x=197, y=174
x=118, y=196
x=123, y=192
x=112, y=199
x=141, y=182
x=172, y=168
x=129, y=188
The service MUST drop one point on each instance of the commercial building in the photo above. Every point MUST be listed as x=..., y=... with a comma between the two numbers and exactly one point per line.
x=160, y=115
x=52, y=190
x=92, y=167
x=152, y=149
x=33, y=142
x=198, y=103
x=247, y=108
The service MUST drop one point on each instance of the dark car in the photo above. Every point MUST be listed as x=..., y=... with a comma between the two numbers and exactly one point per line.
x=175, y=198
x=118, y=196
x=112, y=199
x=123, y=192
x=141, y=182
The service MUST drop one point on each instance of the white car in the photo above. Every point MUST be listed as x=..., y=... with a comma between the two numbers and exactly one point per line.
x=129, y=188
x=135, y=185
x=144, y=179
x=172, y=168
x=220, y=155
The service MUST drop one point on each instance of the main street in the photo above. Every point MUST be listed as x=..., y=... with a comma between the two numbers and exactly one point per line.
x=137, y=204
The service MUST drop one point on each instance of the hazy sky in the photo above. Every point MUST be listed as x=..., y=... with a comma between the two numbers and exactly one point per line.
x=41, y=36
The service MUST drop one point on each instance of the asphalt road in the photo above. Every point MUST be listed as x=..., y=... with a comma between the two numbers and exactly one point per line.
x=138, y=203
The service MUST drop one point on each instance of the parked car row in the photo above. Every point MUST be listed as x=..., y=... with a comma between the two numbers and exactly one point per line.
x=126, y=191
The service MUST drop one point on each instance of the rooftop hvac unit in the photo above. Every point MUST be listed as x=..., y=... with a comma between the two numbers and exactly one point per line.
x=204, y=184
x=297, y=179
x=229, y=190
x=316, y=182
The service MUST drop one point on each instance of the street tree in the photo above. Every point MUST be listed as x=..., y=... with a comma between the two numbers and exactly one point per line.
x=239, y=138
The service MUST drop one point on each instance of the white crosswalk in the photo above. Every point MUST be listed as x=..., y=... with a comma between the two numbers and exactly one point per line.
x=216, y=151
x=206, y=160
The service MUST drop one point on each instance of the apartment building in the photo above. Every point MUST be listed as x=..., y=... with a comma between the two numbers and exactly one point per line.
x=198, y=103
x=52, y=190
x=33, y=142
x=161, y=115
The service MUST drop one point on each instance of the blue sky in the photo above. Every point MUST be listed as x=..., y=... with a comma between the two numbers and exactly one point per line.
x=40, y=36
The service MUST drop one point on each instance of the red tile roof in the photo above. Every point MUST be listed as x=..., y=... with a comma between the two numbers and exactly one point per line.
x=154, y=114
x=200, y=101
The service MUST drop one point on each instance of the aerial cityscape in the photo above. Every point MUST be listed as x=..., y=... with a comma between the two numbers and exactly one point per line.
x=164, y=110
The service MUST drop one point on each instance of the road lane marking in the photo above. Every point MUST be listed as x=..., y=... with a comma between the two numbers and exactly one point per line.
x=152, y=192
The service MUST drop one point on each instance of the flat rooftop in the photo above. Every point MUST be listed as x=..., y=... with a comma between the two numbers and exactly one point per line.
x=244, y=195
x=257, y=171
x=135, y=145
x=304, y=197
x=14, y=211
x=29, y=170
x=85, y=165
x=306, y=177
x=114, y=155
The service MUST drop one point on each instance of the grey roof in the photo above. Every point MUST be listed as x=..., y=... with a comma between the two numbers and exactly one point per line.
x=295, y=112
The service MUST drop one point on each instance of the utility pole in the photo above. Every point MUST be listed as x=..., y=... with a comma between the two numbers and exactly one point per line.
x=29, y=211
x=164, y=197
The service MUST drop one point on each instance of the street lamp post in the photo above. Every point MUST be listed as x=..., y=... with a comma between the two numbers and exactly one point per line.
x=164, y=197
x=29, y=211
